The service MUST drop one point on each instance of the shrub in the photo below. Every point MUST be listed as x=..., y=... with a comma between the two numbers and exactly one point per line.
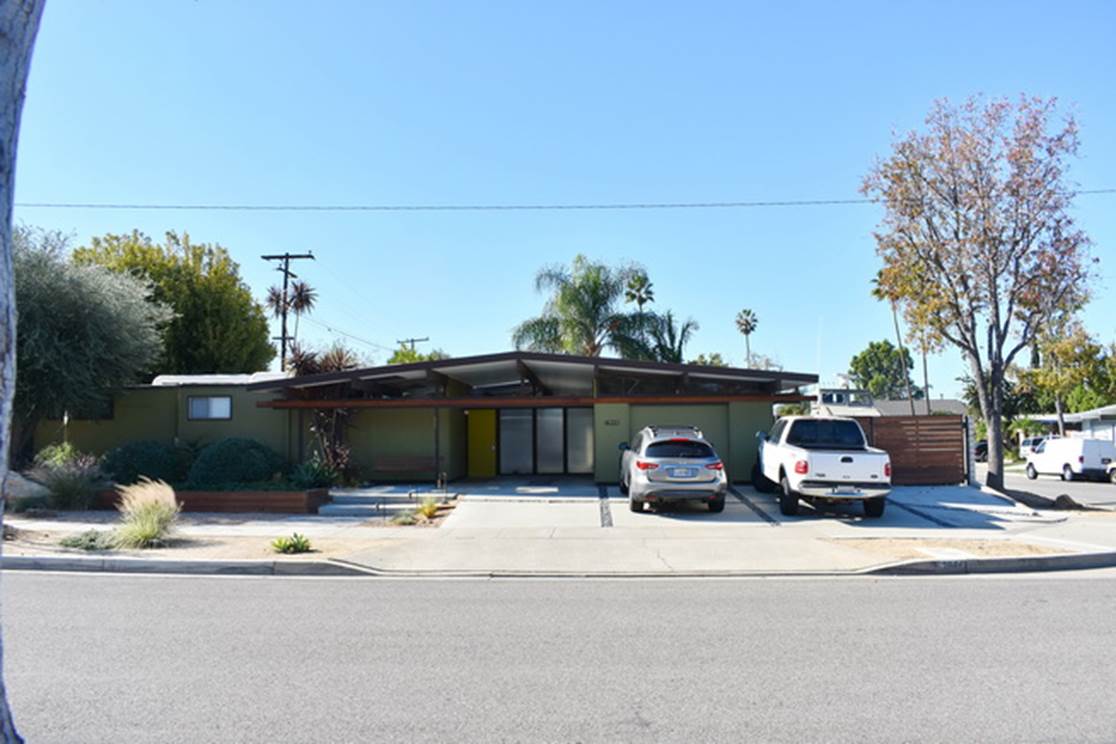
x=234, y=460
x=90, y=540
x=21, y=504
x=315, y=473
x=156, y=460
x=404, y=518
x=296, y=543
x=428, y=508
x=56, y=454
x=149, y=511
x=72, y=484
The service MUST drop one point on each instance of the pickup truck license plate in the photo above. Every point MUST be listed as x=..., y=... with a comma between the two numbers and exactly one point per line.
x=682, y=472
x=844, y=490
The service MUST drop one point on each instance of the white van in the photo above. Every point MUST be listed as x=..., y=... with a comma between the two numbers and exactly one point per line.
x=1072, y=458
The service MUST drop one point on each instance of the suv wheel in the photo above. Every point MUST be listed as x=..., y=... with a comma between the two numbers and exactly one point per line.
x=717, y=505
x=1067, y=473
x=635, y=505
x=1112, y=475
x=788, y=499
x=874, y=508
x=1031, y=472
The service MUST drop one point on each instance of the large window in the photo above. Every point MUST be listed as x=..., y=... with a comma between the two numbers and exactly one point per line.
x=826, y=434
x=209, y=407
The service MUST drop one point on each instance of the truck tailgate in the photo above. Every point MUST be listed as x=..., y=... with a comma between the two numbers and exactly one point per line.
x=855, y=466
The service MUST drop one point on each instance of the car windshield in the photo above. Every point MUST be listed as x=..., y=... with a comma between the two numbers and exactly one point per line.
x=826, y=434
x=679, y=448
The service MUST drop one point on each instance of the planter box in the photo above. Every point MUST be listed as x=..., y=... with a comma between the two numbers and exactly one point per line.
x=281, y=502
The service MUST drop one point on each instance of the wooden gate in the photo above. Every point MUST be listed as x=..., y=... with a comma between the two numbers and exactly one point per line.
x=924, y=450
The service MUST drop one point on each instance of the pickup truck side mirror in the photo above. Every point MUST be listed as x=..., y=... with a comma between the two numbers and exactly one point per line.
x=623, y=447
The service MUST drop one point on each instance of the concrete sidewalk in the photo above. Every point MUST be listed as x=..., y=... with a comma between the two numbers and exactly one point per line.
x=494, y=535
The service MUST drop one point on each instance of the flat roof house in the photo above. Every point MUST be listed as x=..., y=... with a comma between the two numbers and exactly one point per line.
x=513, y=413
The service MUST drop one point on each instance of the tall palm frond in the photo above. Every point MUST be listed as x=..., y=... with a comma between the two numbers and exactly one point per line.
x=746, y=323
x=275, y=301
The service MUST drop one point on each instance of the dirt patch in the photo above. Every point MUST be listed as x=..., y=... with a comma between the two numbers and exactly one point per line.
x=910, y=548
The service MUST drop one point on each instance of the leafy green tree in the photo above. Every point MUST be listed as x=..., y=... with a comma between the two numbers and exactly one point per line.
x=669, y=336
x=408, y=355
x=582, y=314
x=979, y=243
x=217, y=326
x=82, y=332
x=882, y=370
x=1068, y=359
x=710, y=360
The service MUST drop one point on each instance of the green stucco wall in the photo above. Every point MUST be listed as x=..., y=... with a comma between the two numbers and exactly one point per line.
x=611, y=426
x=141, y=413
x=730, y=427
x=266, y=425
x=160, y=413
x=376, y=434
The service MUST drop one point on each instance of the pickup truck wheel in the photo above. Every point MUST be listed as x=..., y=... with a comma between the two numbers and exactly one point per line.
x=1067, y=473
x=760, y=482
x=874, y=508
x=635, y=505
x=788, y=499
x=717, y=505
x=1031, y=472
x=1112, y=476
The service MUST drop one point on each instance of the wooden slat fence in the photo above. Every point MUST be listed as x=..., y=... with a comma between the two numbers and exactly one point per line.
x=925, y=450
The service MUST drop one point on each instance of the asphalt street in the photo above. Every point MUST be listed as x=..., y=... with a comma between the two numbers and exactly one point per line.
x=99, y=658
x=1091, y=493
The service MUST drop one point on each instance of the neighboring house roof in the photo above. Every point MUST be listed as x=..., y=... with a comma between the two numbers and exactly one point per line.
x=217, y=379
x=1095, y=414
x=561, y=374
x=950, y=406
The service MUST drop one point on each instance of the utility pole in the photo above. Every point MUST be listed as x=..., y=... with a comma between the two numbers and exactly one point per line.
x=286, y=258
x=411, y=341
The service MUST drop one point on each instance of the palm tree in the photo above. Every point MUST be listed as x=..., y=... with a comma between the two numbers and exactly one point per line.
x=581, y=315
x=669, y=339
x=302, y=299
x=639, y=290
x=881, y=293
x=746, y=322
x=276, y=302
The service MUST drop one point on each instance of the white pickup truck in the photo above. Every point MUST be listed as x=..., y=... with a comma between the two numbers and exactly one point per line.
x=821, y=459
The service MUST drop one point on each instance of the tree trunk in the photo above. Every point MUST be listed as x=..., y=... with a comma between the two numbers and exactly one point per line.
x=19, y=20
x=902, y=357
x=990, y=395
x=748, y=349
x=925, y=381
x=1059, y=408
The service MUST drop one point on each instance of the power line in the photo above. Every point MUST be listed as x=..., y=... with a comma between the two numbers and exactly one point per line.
x=339, y=332
x=469, y=207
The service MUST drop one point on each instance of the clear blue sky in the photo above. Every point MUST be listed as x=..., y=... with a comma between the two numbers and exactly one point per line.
x=198, y=101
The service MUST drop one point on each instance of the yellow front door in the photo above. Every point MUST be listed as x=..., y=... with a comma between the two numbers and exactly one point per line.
x=482, y=442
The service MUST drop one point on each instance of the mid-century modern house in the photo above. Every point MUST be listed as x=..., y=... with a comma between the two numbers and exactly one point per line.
x=513, y=413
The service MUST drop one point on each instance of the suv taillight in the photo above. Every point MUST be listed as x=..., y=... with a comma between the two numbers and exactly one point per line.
x=715, y=466
x=644, y=465
x=802, y=467
x=887, y=470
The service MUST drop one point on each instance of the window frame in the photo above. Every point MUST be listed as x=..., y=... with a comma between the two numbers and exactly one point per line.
x=190, y=413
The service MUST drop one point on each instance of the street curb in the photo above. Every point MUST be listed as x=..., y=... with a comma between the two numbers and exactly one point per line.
x=340, y=567
x=1028, y=564
x=164, y=566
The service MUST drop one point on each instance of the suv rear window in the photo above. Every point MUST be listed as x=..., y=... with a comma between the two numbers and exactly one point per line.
x=684, y=448
x=826, y=434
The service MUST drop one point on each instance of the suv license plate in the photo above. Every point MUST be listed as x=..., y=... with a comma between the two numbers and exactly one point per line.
x=682, y=472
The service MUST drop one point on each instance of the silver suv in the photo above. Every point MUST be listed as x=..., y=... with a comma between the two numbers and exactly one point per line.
x=672, y=463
